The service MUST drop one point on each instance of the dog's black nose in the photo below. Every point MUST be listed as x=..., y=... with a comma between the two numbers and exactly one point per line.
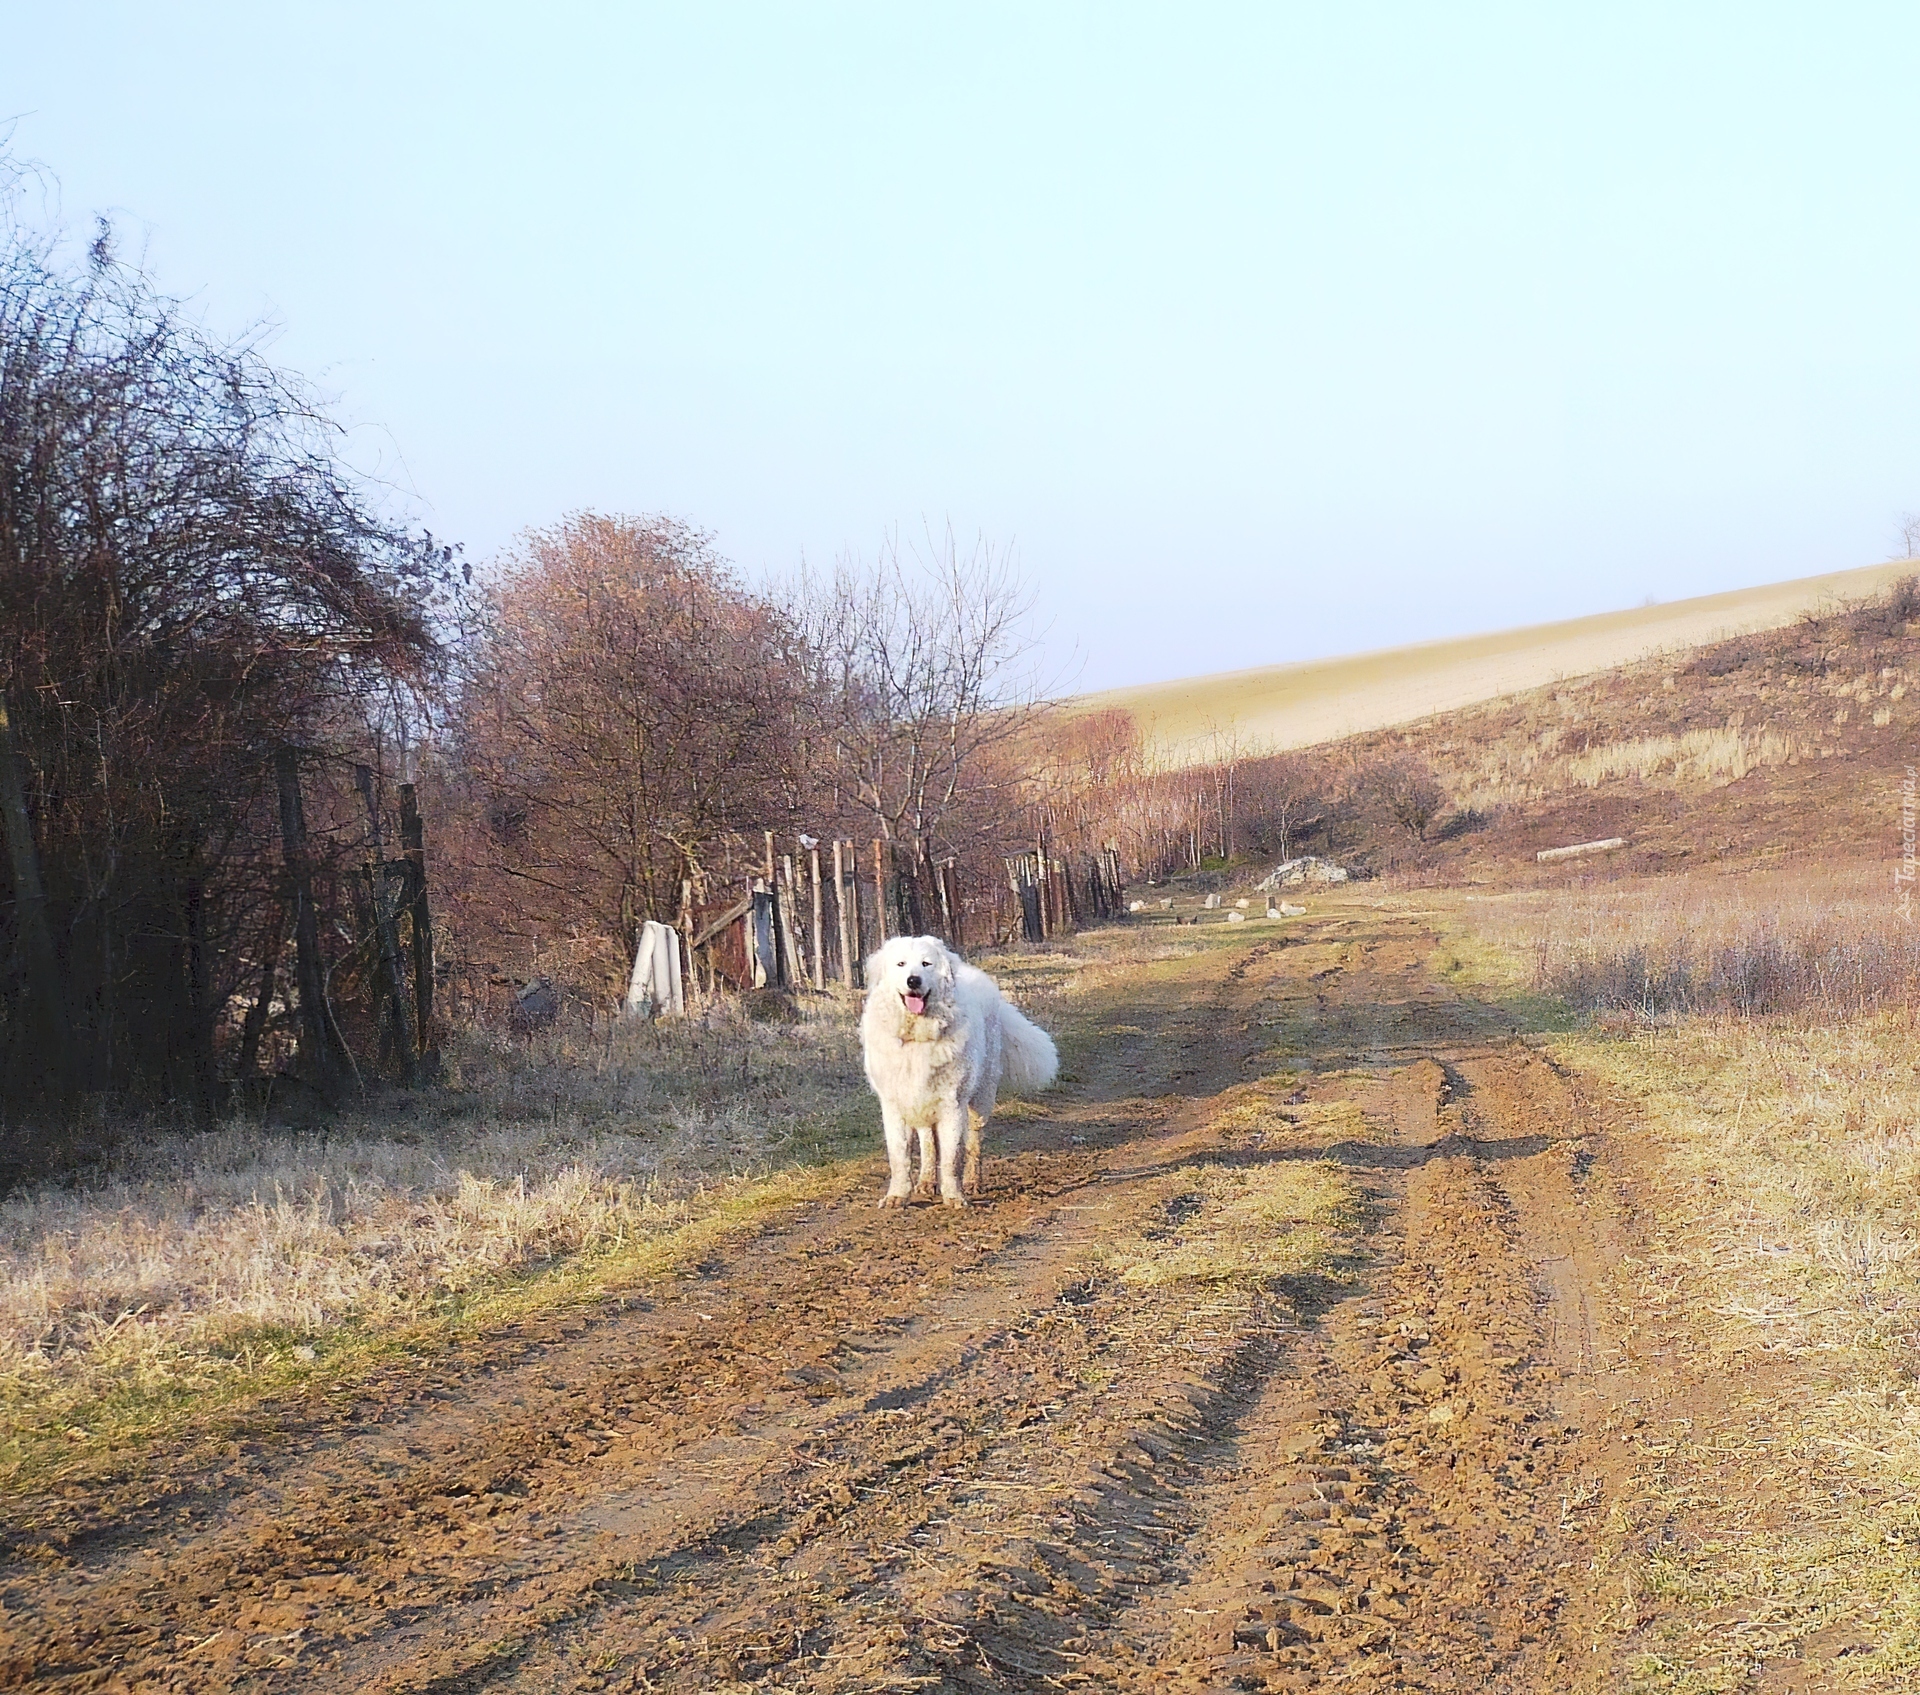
x=913, y=981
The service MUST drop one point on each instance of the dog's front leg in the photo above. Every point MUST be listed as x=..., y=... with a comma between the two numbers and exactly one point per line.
x=976, y=1127
x=929, y=1184
x=899, y=1156
x=950, y=1131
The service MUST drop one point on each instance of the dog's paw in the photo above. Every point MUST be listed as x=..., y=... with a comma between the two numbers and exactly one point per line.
x=893, y=1200
x=955, y=1201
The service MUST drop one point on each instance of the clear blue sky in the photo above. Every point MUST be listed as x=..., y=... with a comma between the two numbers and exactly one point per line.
x=1265, y=332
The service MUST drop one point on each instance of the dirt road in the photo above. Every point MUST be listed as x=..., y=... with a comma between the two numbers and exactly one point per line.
x=1032, y=1445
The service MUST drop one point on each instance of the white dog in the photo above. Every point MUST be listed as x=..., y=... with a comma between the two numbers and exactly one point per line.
x=940, y=1043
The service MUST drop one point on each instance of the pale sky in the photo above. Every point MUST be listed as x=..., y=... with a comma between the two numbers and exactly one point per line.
x=1265, y=332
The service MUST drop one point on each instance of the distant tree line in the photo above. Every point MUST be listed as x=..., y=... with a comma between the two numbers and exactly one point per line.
x=1094, y=778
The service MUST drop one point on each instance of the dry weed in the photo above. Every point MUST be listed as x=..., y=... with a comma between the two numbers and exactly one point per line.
x=188, y=1254
x=1829, y=942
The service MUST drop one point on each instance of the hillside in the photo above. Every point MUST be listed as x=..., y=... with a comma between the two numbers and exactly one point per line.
x=1781, y=743
x=1301, y=705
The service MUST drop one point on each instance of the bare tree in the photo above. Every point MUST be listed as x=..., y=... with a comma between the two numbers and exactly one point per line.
x=628, y=709
x=1284, y=795
x=917, y=667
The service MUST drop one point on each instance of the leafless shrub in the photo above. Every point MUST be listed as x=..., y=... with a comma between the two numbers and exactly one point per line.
x=1405, y=789
x=1722, y=659
x=1468, y=821
x=190, y=578
x=1889, y=612
x=1829, y=949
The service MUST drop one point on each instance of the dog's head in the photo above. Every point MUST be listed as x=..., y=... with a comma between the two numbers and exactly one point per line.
x=915, y=974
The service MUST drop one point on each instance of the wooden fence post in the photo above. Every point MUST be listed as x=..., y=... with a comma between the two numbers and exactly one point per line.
x=684, y=924
x=793, y=962
x=906, y=889
x=819, y=959
x=413, y=847
x=319, y=1043
x=879, y=895
x=946, y=881
x=848, y=939
x=383, y=929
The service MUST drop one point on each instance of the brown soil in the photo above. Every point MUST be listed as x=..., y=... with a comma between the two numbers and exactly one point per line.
x=856, y=1449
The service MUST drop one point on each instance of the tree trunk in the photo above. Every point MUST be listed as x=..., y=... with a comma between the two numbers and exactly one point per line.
x=413, y=844
x=196, y=1032
x=256, y=1023
x=319, y=1047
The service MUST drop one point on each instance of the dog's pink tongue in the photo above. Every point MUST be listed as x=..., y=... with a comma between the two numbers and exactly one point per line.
x=916, y=1004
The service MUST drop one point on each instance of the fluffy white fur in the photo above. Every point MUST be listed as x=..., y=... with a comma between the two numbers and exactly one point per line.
x=940, y=1043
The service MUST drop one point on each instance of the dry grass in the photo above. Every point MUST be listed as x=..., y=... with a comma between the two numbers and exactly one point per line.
x=1830, y=944
x=1777, y=1520
x=1784, y=1260
x=1697, y=758
x=183, y=1263
x=1291, y=1226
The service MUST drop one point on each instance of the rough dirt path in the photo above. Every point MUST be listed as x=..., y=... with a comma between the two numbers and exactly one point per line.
x=859, y=1450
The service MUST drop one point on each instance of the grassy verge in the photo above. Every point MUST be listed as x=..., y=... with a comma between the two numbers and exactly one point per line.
x=191, y=1274
x=1783, y=1522
x=1772, y=1514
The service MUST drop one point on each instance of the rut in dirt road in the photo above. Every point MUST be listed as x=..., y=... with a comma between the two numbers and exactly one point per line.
x=1047, y=1442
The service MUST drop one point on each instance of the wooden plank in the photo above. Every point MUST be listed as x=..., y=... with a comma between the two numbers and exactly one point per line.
x=732, y=915
x=385, y=934
x=819, y=963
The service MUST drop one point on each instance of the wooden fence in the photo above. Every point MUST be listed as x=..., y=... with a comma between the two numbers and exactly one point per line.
x=809, y=918
x=1047, y=898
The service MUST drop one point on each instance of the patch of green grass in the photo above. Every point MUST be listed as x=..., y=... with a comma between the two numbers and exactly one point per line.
x=1493, y=972
x=1289, y=1220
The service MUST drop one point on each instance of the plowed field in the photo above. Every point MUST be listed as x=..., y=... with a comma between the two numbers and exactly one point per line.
x=1276, y=1354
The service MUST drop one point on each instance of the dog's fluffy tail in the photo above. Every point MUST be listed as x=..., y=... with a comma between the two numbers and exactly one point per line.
x=1029, y=1056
